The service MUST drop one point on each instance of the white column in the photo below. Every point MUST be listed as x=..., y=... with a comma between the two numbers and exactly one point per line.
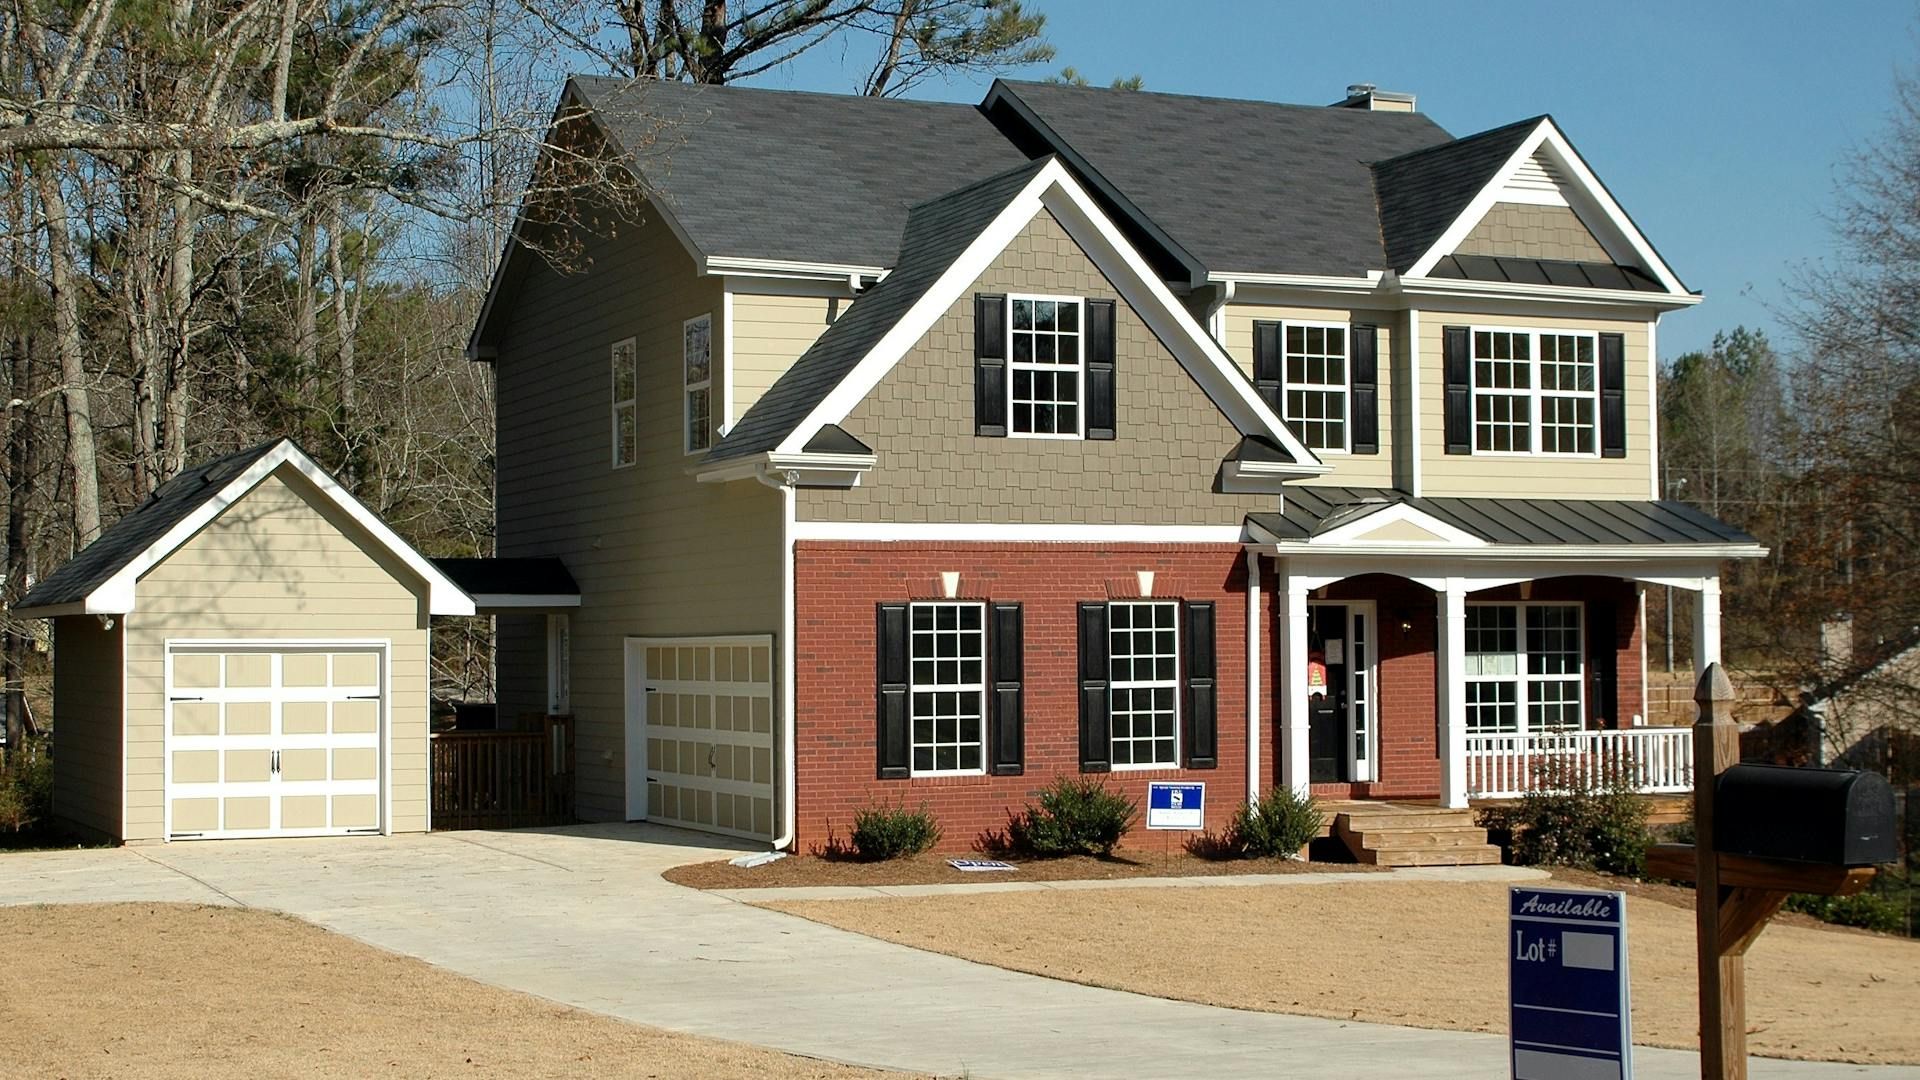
x=1706, y=625
x=1451, y=656
x=1293, y=685
x=1253, y=674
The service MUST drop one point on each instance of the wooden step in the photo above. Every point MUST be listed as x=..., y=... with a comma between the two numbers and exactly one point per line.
x=1409, y=819
x=1419, y=838
x=1484, y=855
x=1414, y=836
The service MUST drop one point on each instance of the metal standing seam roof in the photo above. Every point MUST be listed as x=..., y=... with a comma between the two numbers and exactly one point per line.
x=139, y=528
x=1309, y=511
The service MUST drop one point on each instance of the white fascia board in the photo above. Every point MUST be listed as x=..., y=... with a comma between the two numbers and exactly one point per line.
x=1545, y=553
x=116, y=594
x=1366, y=283
x=822, y=467
x=785, y=268
x=1053, y=188
x=54, y=611
x=1451, y=537
x=1009, y=533
x=1569, y=294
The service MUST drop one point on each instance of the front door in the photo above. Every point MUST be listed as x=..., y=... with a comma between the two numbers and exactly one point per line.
x=1340, y=693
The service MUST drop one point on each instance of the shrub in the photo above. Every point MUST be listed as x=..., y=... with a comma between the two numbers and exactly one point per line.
x=26, y=787
x=1868, y=911
x=1571, y=820
x=1279, y=823
x=1076, y=816
x=892, y=832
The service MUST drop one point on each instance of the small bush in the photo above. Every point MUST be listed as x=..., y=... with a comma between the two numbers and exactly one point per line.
x=1076, y=816
x=1569, y=820
x=893, y=832
x=26, y=787
x=1277, y=824
x=1868, y=911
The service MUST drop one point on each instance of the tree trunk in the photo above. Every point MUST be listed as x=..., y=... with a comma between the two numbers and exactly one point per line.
x=14, y=643
x=346, y=319
x=82, y=451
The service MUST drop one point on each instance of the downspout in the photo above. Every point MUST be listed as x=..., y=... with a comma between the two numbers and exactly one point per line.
x=1253, y=675
x=789, y=737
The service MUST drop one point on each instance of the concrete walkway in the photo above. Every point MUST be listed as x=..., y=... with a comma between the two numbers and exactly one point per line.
x=581, y=916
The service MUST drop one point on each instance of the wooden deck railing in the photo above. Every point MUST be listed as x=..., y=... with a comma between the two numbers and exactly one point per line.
x=503, y=779
x=1652, y=760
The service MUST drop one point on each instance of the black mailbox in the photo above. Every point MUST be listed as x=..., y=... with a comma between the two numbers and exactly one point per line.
x=1832, y=817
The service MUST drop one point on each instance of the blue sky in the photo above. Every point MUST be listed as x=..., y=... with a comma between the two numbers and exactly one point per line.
x=1718, y=125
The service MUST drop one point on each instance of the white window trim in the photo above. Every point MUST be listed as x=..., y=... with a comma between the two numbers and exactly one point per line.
x=687, y=388
x=979, y=689
x=1079, y=368
x=559, y=664
x=632, y=346
x=1145, y=684
x=1534, y=395
x=1521, y=678
x=1345, y=386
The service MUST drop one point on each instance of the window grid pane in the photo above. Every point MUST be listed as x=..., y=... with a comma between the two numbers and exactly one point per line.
x=1502, y=391
x=1569, y=393
x=1316, y=399
x=697, y=371
x=946, y=679
x=1144, y=665
x=1044, y=391
x=1524, y=668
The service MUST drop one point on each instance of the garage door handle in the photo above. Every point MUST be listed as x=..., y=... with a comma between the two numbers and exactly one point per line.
x=186, y=699
x=276, y=761
x=363, y=697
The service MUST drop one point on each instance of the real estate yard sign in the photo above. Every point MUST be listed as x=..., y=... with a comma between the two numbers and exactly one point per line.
x=1567, y=965
x=1176, y=805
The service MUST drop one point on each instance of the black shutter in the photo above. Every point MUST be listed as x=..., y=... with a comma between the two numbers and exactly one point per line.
x=1096, y=713
x=1457, y=362
x=989, y=365
x=1603, y=660
x=1365, y=389
x=890, y=738
x=1267, y=371
x=1101, y=411
x=1006, y=741
x=1202, y=720
x=1613, y=395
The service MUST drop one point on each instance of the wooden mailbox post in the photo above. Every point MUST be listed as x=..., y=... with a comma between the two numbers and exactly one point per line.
x=1735, y=894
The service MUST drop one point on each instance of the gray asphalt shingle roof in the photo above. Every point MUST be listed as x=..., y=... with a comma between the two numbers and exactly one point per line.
x=936, y=233
x=1422, y=192
x=139, y=528
x=1312, y=510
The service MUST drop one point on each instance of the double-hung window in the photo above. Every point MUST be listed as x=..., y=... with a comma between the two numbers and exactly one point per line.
x=1316, y=386
x=1535, y=391
x=947, y=688
x=1047, y=367
x=626, y=422
x=1143, y=656
x=697, y=367
x=1524, y=668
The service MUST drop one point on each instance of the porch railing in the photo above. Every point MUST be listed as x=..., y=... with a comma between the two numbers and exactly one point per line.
x=503, y=779
x=1653, y=760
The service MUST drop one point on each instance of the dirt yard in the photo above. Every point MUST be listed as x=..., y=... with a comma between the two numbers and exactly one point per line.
x=934, y=870
x=158, y=990
x=1423, y=954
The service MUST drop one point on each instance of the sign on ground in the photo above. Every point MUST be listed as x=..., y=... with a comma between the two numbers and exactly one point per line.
x=1567, y=965
x=1172, y=805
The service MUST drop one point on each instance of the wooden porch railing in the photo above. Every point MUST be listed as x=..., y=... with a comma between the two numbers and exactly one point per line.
x=1653, y=760
x=503, y=779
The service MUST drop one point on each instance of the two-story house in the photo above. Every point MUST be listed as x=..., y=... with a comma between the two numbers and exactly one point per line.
x=922, y=453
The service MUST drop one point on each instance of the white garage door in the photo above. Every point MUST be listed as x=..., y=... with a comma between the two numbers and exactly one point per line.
x=706, y=725
x=273, y=741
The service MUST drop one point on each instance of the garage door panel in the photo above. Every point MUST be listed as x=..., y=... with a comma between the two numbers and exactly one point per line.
x=251, y=814
x=299, y=765
x=355, y=811
x=356, y=669
x=196, y=718
x=248, y=766
x=196, y=671
x=303, y=669
x=249, y=717
x=249, y=670
x=708, y=712
x=303, y=812
x=356, y=717
x=356, y=763
x=303, y=718
x=196, y=766
x=196, y=815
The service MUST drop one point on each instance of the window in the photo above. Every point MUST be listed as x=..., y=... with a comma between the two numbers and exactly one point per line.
x=1534, y=390
x=947, y=676
x=697, y=361
x=559, y=665
x=1143, y=658
x=1044, y=392
x=626, y=424
x=1316, y=382
x=1523, y=668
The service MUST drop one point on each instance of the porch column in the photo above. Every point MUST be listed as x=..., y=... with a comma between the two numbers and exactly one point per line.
x=1450, y=656
x=1706, y=625
x=1293, y=691
x=1253, y=675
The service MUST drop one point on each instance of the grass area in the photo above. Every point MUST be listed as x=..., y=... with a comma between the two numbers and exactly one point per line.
x=1425, y=954
x=165, y=990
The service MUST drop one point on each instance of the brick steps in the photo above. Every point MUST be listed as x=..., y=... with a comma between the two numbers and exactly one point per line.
x=1387, y=835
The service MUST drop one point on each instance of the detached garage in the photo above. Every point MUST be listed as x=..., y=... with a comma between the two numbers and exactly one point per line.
x=244, y=654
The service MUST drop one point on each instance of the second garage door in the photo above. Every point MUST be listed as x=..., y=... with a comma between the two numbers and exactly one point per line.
x=707, y=718
x=273, y=740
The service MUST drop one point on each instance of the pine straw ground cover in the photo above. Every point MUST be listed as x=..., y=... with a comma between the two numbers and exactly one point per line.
x=1425, y=954
x=175, y=990
x=933, y=869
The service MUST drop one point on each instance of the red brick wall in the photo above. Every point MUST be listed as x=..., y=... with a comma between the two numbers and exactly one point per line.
x=836, y=586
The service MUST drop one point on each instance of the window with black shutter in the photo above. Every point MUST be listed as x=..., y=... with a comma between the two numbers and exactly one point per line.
x=891, y=737
x=1365, y=394
x=1266, y=363
x=1096, y=729
x=1101, y=415
x=1007, y=741
x=1457, y=368
x=1202, y=706
x=1613, y=395
x=989, y=365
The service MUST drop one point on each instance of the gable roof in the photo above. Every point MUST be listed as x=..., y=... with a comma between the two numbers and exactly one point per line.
x=1241, y=186
x=949, y=242
x=1421, y=193
x=100, y=579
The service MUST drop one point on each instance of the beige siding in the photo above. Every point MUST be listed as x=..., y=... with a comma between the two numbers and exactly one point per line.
x=305, y=571
x=87, y=721
x=1352, y=470
x=1527, y=231
x=769, y=334
x=656, y=553
x=1533, y=476
x=932, y=468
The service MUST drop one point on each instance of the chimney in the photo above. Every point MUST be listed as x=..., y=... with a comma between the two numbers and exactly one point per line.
x=1836, y=646
x=1372, y=98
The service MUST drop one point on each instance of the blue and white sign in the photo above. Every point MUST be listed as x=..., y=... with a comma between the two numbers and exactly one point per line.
x=1176, y=805
x=1567, y=965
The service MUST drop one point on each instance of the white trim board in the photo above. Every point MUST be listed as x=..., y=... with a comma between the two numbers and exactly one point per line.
x=1000, y=532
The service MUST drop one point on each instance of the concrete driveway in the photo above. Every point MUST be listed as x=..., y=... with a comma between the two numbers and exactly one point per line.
x=581, y=916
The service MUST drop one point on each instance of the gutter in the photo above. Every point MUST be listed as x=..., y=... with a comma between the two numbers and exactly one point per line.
x=789, y=735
